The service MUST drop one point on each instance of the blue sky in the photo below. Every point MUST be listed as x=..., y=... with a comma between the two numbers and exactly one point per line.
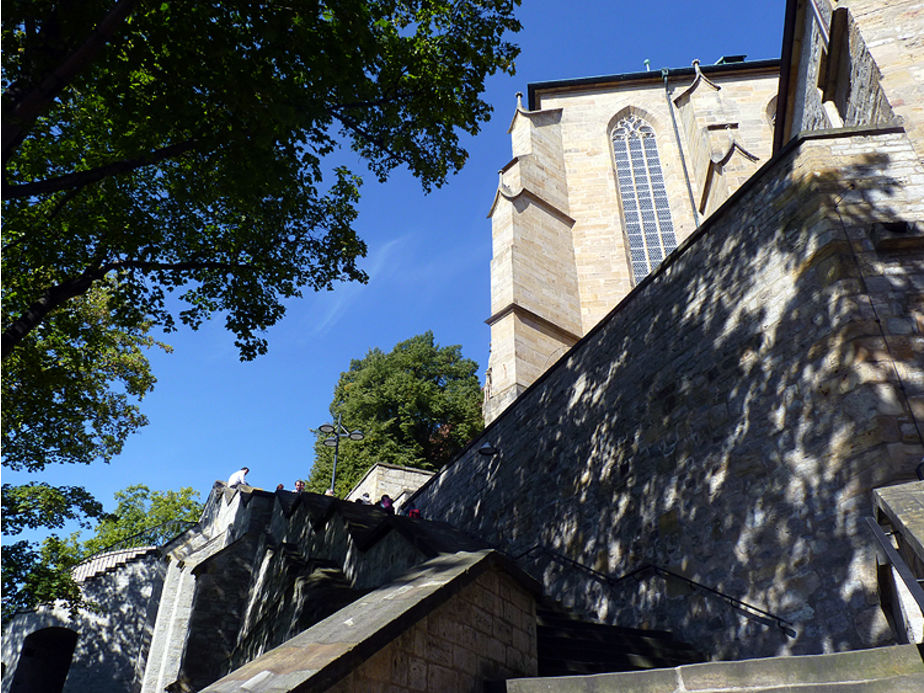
x=428, y=264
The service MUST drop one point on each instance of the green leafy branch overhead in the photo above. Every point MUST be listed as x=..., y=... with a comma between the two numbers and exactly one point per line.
x=182, y=145
x=183, y=148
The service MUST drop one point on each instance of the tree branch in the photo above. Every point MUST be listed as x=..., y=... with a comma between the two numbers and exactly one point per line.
x=80, y=179
x=187, y=266
x=31, y=105
x=56, y=296
x=369, y=137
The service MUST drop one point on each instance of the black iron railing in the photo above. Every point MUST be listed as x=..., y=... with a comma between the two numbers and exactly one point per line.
x=754, y=613
x=152, y=536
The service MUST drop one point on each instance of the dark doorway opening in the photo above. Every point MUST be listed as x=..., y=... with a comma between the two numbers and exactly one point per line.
x=44, y=661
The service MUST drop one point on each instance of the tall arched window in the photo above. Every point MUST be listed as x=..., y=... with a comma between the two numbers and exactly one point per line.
x=644, y=198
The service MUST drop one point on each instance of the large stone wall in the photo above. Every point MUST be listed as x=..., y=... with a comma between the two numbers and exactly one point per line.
x=893, y=33
x=729, y=419
x=397, y=482
x=843, y=48
x=228, y=521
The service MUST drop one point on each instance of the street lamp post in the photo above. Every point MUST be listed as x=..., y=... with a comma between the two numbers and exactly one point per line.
x=337, y=431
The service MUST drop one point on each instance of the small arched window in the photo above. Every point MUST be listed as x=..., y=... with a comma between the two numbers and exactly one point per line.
x=647, y=214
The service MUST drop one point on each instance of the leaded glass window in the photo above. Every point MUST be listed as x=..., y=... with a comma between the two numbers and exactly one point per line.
x=644, y=199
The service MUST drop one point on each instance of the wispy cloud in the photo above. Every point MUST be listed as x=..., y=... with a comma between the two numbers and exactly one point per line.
x=335, y=304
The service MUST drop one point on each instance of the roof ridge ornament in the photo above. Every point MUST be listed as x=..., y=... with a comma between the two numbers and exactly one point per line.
x=697, y=79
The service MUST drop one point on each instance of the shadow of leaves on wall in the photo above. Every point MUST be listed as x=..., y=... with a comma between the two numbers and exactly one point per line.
x=726, y=421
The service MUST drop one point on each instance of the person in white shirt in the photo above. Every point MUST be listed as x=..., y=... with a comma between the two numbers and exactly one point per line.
x=237, y=479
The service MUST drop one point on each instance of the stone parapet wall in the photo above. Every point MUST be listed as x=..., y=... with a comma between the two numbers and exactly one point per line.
x=893, y=33
x=229, y=516
x=729, y=419
x=397, y=482
x=857, y=58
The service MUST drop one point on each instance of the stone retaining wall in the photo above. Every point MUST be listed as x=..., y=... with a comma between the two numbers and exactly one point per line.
x=729, y=419
x=112, y=639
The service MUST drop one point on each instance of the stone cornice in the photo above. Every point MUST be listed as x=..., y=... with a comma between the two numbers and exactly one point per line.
x=544, y=324
x=504, y=192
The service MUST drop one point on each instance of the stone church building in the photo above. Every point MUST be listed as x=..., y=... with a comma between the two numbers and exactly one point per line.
x=705, y=409
x=608, y=176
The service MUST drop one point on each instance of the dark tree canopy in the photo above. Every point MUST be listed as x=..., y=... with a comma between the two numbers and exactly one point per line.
x=72, y=386
x=181, y=145
x=417, y=405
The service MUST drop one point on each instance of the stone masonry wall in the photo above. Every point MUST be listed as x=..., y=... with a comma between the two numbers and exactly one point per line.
x=227, y=517
x=808, y=113
x=112, y=641
x=730, y=418
x=559, y=247
x=893, y=33
x=588, y=118
x=840, y=82
x=283, y=568
x=397, y=482
x=486, y=631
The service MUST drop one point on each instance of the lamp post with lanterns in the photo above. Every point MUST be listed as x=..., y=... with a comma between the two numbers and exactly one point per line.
x=337, y=431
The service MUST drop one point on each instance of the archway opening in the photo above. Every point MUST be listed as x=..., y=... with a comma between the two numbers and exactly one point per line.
x=44, y=661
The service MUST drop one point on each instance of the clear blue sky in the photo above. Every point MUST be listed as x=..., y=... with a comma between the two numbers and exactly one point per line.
x=428, y=263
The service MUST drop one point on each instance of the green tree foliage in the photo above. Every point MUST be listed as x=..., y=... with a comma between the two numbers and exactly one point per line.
x=38, y=504
x=37, y=574
x=34, y=574
x=183, y=145
x=70, y=394
x=145, y=518
x=72, y=386
x=417, y=405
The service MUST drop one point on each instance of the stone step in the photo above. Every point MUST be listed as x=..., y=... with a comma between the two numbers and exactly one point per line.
x=557, y=620
x=897, y=669
x=567, y=645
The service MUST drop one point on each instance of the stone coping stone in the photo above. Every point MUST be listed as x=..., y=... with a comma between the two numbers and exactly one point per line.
x=367, y=524
x=904, y=506
x=320, y=656
x=652, y=681
x=897, y=668
x=102, y=562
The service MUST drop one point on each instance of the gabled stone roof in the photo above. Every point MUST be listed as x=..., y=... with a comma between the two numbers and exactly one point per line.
x=323, y=654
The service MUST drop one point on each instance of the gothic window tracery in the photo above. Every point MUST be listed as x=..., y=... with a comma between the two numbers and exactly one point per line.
x=645, y=208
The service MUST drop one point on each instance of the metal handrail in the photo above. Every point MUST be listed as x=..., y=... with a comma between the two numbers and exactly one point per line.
x=762, y=615
x=892, y=557
x=146, y=537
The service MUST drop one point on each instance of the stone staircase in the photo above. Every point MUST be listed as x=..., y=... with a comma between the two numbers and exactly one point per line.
x=567, y=645
x=896, y=669
x=104, y=563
